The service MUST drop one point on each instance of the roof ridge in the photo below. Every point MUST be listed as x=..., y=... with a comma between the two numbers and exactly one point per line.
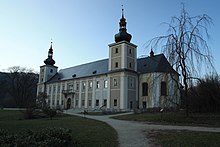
x=84, y=64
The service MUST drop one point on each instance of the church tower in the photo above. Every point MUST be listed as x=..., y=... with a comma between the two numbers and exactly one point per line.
x=123, y=69
x=122, y=53
x=46, y=71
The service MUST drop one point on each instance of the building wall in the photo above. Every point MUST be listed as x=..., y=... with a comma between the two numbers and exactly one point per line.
x=154, y=97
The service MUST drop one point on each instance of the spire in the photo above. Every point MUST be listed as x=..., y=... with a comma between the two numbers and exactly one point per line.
x=49, y=60
x=122, y=35
x=122, y=22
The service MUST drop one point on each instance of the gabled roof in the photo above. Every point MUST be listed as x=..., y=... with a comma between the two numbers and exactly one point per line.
x=157, y=63
x=85, y=70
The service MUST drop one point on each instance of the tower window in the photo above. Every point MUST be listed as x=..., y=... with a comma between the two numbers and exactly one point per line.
x=115, y=82
x=51, y=70
x=130, y=65
x=116, y=50
x=163, y=89
x=116, y=64
x=144, y=89
x=130, y=51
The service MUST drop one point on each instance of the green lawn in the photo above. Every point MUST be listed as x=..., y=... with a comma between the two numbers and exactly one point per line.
x=184, y=138
x=175, y=118
x=85, y=131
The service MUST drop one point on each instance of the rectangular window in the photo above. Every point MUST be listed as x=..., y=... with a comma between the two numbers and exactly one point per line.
x=116, y=64
x=83, y=103
x=58, y=102
x=62, y=102
x=77, y=86
x=63, y=87
x=144, y=105
x=97, y=85
x=163, y=89
x=105, y=84
x=70, y=87
x=77, y=103
x=130, y=51
x=97, y=103
x=83, y=85
x=90, y=103
x=54, y=89
x=90, y=85
x=115, y=102
x=53, y=101
x=105, y=102
x=130, y=65
x=131, y=83
x=50, y=90
x=58, y=89
x=144, y=89
x=116, y=50
x=115, y=82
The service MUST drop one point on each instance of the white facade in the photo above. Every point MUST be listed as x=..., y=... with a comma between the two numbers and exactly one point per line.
x=114, y=83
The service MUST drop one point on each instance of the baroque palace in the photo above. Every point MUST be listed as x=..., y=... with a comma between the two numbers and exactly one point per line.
x=120, y=82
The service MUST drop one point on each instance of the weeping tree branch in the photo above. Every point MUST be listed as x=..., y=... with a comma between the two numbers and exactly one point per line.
x=186, y=47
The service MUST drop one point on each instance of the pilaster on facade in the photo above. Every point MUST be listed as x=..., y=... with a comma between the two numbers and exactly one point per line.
x=86, y=93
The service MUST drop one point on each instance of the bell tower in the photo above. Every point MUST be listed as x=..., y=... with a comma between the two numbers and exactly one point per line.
x=123, y=69
x=122, y=53
x=48, y=70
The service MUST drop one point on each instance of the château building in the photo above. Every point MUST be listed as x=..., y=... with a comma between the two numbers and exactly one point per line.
x=120, y=82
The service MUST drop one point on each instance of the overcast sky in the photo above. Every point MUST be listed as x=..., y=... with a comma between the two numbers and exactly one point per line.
x=82, y=29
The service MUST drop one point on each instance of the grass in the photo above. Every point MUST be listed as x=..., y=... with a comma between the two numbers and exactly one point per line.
x=85, y=131
x=184, y=138
x=175, y=118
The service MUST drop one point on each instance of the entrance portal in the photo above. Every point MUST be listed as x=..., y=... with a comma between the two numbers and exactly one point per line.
x=68, y=103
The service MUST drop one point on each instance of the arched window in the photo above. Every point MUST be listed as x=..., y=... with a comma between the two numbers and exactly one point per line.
x=144, y=89
x=163, y=89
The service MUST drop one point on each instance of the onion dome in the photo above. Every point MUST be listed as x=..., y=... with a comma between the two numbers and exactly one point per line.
x=122, y=35
x=49, y=60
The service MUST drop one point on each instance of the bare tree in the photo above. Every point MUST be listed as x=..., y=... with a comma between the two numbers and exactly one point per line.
x=186, y=48
x=21, y=86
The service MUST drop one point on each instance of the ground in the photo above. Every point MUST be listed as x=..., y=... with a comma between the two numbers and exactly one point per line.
x=135, y=134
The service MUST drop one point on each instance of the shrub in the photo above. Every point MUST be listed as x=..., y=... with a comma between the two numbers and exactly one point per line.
x=50, y=112
x=56, y=137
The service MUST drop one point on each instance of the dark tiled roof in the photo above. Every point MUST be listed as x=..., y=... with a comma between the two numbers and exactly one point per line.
x=157, y=63
x=84, y=70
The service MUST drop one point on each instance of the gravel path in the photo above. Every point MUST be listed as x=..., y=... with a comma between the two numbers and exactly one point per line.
x=134, y=134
